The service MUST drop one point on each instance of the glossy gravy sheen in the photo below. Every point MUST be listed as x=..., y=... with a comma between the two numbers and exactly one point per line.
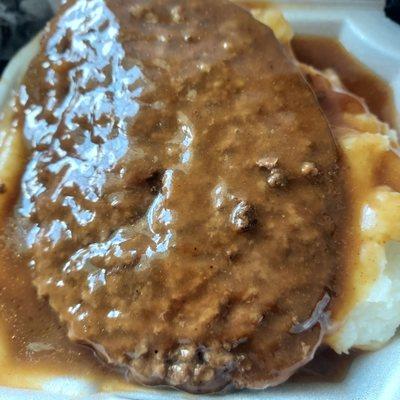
x=29, y=320
x=184, y=200
x=36, y=341
x=324, y=52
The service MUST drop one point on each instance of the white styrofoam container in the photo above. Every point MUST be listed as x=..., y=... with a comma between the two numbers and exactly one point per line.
x=363, y=29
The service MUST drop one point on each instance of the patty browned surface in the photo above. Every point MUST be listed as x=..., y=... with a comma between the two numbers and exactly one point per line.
x=182, y=199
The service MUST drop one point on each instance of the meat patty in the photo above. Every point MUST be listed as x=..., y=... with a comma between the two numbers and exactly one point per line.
x=182, y=200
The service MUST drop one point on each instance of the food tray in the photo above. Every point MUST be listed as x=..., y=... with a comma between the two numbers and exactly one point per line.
x=363, y=29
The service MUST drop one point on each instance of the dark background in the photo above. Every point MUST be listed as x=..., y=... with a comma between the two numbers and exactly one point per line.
x=20, y=20
x=393, y=10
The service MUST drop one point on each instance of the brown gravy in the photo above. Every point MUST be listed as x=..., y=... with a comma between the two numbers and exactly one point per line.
x=28, y=320
x=35, y=338
x=324, y=52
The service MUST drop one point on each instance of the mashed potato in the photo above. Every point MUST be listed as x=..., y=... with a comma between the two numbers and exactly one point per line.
x=366, y=315
x=371, y=316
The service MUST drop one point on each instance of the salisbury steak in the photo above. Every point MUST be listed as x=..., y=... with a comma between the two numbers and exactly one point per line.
x=181, y=200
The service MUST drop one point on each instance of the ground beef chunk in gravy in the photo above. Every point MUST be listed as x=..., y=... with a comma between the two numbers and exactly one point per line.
x=181, y=200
